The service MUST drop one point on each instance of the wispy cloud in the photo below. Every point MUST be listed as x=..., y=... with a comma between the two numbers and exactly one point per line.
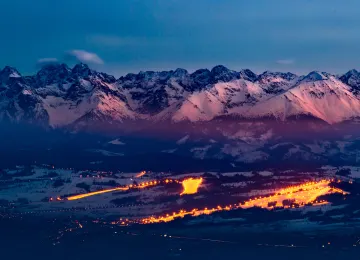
x=285, y=62
x=46, y=61
x=84, y=56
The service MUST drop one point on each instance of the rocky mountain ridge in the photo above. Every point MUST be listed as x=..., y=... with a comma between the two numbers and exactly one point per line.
x=59, y=96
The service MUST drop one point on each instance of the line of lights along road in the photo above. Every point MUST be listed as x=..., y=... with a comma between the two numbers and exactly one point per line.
x=290, y=197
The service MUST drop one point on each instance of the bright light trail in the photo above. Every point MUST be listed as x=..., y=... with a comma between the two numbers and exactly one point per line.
x=140, y=174
x=81, y=196
x=124, y=188
x=297, y=195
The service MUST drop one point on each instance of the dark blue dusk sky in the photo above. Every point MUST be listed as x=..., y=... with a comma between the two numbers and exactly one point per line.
x=120, y=36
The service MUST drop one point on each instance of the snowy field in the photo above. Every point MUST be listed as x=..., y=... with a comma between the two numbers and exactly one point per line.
x=44, y=189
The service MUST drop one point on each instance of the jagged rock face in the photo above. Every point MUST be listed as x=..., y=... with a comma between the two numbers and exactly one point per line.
x=248, y=75
x=58, y=74
x=223, y=74
x=352, y=78
x=61, y=96
x=275, y=82
x=150, y=92
x=8, y=75
x=201, y=78
x=316, y=76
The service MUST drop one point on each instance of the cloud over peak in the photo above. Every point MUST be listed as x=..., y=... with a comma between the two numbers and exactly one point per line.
x=85, y=57
x=46, y=61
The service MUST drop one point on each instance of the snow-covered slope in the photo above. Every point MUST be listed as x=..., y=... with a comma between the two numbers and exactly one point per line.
x=60, y=96
x=318, y=94
x=234, y=97
x=217, y=100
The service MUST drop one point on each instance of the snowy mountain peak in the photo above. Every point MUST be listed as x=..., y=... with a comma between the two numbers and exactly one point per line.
x=10, y=76
x=180, y=73
x=146, y=75
x=9, y=72
x=53, y=67
x=81, y=70
x=316, y=76
x=248, y=75
x=353, y=72
x=62, y=96
x=352, y=78
x=271, y=76
x=221, y=73
x=201, y=78
x=350, y=75
x=276, y=82
x=52, y=74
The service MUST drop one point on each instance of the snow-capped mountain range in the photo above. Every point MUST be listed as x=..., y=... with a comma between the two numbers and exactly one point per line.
x=59, y=96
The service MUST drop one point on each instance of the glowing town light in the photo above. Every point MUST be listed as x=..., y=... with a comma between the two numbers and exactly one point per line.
x=140, y=174
x=191, y=185
x=300, y=195
x=122, y=188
